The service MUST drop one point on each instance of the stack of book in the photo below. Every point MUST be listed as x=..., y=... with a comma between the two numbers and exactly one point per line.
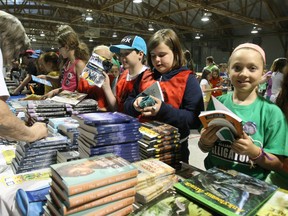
x=65, y=156
x=99, y=185
x=108, y=132
x=154, y=178
x=85, y=106
x=161, y=141
x=53, y=123
x=39, y=154
x=42, y=110
x=17, y=106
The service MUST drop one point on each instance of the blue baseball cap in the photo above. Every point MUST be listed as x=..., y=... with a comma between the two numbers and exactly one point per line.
x=130, y=42
x=36, y=54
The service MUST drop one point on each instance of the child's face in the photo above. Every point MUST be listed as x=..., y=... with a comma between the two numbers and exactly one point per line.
x=114, y=71
x=214, y=74
x=162, y=58
x=130, y=58
x=245, y=68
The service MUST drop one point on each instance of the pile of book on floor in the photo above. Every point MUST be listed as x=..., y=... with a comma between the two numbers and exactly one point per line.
x=108, y=132
x=39, y=154
x=66, y=126
x=154, y=178
x=161, y=141
x=226, y=192
x=99, y=185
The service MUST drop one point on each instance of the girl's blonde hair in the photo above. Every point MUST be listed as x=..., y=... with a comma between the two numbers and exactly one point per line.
x=13, y=38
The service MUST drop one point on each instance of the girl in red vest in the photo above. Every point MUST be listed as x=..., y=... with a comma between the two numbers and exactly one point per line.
x=183, y=100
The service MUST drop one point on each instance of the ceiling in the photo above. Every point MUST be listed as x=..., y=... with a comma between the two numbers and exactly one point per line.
x=229, y=19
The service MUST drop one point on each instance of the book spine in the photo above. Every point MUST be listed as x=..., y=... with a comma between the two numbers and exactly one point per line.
x=123, y=211
x=116, y=196
x=87, y=197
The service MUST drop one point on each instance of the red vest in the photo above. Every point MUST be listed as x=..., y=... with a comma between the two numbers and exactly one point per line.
x=173, y=89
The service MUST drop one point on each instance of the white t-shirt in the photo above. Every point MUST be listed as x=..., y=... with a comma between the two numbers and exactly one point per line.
x=206, y=95
x=277, y=78
x=4, y=94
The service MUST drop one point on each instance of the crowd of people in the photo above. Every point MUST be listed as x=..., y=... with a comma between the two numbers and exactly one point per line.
x=136, y=65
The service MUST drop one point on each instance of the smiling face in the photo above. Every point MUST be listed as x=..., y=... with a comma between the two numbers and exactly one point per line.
x=246, y=67
x=162, y=58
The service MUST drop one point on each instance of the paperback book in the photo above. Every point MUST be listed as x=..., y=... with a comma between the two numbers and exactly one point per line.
x=222, y=116
x=42, y=81
x=227, y=192
x=154, y=90
x=69, y=97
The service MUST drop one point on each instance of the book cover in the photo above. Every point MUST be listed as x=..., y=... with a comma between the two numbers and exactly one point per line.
x=93, y=71
x=277, y=205
x=64, y=156
x=222, y=116
x=227, y=192
x=55, y=122
x=89, y=173
x=50, y=140
x=101, y=210
x=69, y=97
x=44, y=104
x=170, y=203
x=42, y=81
x=64, y=210
x=154, y=90
x=99, y=118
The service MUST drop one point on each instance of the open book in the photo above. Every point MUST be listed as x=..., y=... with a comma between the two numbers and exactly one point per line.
x=93, y=71
x=154, y=90
x=222, y=116
x=69, y=97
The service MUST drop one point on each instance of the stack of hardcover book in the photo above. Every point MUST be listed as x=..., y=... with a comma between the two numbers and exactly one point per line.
x=108, y=132
x=154, y=178
x=161, y=141
x=42, y=110
x=65, y=156
x=99, y=185
x=39, y=154
x=54, y=123
x=85, y=106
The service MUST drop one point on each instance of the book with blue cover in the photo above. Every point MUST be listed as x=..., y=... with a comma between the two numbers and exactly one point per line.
x=99, y=118
x=42, y=81
x=55, y=122
x=82, y=175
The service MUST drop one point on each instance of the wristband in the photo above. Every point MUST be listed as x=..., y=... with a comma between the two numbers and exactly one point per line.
x=260, y=155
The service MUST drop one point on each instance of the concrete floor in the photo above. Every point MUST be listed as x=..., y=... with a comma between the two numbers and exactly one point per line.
x=196, y=157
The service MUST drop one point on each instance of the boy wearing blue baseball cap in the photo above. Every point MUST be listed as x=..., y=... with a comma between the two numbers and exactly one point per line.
x=132, y=51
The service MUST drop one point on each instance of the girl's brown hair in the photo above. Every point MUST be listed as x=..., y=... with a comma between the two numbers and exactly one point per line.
x=170, y=39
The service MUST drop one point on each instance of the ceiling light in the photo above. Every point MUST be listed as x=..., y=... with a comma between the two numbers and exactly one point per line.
x=90, y=39
x=42, y=34
x=197, y=36
x=88, y=17
x=206, y=16
x=114, y=35
x=52, y=48
x=137, y=1
x=34, y=39
x=255, y=30
x=150, y=27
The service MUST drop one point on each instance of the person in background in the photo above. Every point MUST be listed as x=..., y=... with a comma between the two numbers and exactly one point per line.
x=281, y=178
x=15, y=72
x=115, y=72
x=77, y=54
x=216, y=82
x=190, y=62
x=13, y=40
x=224, y=75
x=30, y=58
x=256, y=152
x=210, y=64
x=183, y=100
x=132, y=51
x=277, y=77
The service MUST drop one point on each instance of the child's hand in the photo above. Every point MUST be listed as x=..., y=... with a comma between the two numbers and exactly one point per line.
x=208, y=135
x=106, y=83
x=245, y=146
x=136, y=104
x=152, y=110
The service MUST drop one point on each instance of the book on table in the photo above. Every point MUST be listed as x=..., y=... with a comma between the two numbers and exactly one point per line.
x=170, y=203
x=69, y=97
x=227, y=192
x=224, y=117
x=95, y=172
x=276, y=205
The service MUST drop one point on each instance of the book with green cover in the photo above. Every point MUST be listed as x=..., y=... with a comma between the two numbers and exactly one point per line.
x=227, y=192
x=170, y=203
x=277, y=205
x=81, y=175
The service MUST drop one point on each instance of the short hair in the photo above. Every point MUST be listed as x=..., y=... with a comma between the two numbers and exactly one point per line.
x=210, y=59
x=13, y=37
x=170, y=39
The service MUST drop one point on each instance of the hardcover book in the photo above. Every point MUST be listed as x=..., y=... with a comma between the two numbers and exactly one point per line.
x=276, y=205
x=170, y=203
x=227, y=192
x=55, y=122
x=44, y=104
x=69, y=97
x=95, y=172
x=222, y=116
x=42, y=81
